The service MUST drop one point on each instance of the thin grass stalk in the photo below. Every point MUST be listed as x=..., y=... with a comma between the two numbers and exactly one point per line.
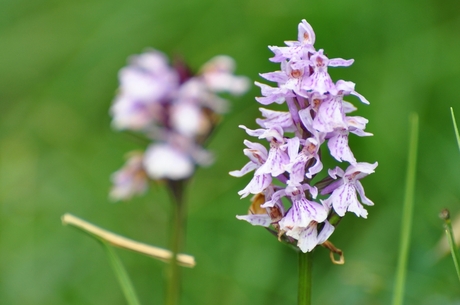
x=125, y=243
x=455, y=127
x=445, y=215
x=121, y=274
x=173, y=288
x=407, y=214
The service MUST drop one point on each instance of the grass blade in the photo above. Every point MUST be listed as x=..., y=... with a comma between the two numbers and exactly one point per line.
x=455, y=127
x=408, y=207
x=126, y=243
x=121, y=274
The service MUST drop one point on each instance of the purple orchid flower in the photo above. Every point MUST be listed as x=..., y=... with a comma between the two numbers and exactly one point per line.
x=343, y=191
x=316, y=114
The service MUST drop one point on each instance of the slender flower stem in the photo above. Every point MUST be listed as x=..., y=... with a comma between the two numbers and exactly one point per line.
x=177, y=240
x=305, y=266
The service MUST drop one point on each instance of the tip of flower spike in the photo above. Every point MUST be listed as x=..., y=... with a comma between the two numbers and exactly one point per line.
x=151, y=60
x=306, y=34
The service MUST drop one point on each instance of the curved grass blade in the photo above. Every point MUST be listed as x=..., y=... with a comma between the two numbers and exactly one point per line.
x=455, y=127
x=121, y=274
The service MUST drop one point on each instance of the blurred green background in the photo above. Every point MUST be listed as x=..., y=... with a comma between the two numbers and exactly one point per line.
x=58, y=75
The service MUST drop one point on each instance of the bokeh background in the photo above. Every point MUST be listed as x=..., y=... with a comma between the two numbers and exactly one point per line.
x=58, y=75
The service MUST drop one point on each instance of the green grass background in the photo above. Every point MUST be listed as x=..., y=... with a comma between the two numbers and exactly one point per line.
x=58, y=75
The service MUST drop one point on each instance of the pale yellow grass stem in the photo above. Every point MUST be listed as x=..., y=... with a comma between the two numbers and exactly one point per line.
x=126, y=243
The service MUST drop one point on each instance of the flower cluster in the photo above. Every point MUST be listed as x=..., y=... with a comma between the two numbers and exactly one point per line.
x=172, y=108
x=316, y=114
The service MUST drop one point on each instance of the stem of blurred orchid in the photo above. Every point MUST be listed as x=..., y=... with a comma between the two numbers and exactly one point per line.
x=305, y=266
x=178, y=221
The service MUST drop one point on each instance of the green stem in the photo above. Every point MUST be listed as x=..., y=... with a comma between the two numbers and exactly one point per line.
x=176, y=241
x=305, y=266
x=407, y=213
x=455, y=127
x=121, y=274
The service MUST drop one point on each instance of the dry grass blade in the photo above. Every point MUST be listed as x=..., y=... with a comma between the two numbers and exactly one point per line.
x=126, y=243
